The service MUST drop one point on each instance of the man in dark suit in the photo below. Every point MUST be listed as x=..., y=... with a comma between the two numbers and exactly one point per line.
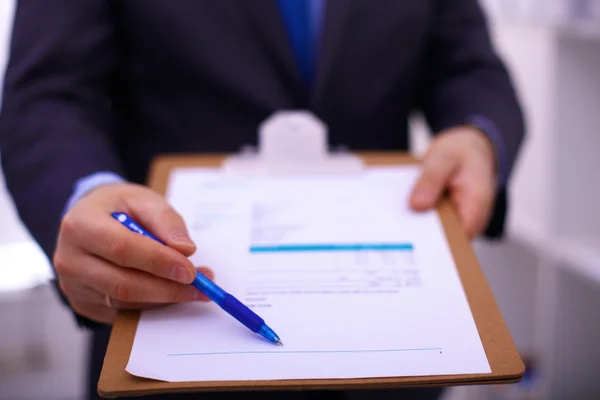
x=95, y=89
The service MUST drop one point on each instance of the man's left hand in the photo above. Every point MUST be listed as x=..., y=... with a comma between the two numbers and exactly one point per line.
x=462, y=162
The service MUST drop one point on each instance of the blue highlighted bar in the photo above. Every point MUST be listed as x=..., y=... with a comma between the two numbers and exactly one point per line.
x=333, y=247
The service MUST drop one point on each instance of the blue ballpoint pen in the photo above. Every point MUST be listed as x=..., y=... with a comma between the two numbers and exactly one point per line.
x=227, y=302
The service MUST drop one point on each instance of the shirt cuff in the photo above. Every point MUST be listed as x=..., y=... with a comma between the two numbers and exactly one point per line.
x=495, y=136
x=88, y=183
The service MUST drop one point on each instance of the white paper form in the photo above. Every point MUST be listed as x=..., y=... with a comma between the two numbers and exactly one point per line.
x=354, y=283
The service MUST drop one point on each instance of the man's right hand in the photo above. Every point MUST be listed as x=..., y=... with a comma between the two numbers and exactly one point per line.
x=103, y=266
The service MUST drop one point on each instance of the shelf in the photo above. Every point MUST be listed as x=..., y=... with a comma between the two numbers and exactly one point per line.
x=582, y=256
x=565, y=18
x=526, y=231
x=579, y=30
x=574, y=373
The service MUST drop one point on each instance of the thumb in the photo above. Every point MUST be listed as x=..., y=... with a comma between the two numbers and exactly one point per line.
x=154, y=213
x=437, y=169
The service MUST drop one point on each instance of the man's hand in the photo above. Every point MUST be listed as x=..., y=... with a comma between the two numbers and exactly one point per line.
x=102, y=265
x=462, y=162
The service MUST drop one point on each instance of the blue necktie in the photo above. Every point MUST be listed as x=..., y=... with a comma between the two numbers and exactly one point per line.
x=296, y=15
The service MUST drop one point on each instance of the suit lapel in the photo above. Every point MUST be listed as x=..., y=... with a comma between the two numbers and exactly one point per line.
x=266, y=20
x=332, y=33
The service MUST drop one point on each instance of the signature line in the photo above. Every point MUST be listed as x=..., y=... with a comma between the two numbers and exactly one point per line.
x=303, y=352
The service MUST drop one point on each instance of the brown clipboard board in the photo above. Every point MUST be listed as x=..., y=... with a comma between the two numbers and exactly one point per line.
x=505, y=362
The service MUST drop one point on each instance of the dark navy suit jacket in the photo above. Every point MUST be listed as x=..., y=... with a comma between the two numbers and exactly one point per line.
x=106, y=85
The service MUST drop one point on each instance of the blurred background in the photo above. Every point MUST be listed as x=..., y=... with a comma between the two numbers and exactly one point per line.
x=545, y=275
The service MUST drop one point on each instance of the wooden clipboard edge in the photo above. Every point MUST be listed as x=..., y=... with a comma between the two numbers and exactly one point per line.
x=504, y=360
x=291, y=385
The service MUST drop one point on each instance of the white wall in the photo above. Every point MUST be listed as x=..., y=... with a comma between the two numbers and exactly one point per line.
x=527, y=51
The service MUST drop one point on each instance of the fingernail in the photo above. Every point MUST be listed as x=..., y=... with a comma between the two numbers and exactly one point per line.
x=207, y=272
x=181, y=274
x=421, y=197
x=182, y=238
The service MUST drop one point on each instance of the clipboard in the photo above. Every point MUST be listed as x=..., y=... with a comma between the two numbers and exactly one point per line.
x=505, y=362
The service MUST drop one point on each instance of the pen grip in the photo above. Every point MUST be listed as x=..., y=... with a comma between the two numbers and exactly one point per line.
x=242, y=313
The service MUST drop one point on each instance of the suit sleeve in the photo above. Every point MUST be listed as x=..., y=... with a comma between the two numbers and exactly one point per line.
x=465, y=80
x=56, y=124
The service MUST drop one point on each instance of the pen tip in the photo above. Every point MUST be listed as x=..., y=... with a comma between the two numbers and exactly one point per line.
x=279, y=342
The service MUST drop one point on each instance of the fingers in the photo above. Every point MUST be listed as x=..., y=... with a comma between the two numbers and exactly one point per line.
x=100, y=313
x=473, y=198
x=86, y=294
x=438, y=167
x=460, y=161
x=105, y=237
x=127, y=286
x=155, y=215
x=97, y=258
